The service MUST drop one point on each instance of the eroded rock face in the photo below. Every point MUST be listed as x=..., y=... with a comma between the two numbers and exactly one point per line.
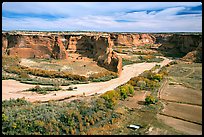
x=33, y=46
x=107, y=58
x=132, y=39
x=183, y=44
x=37, y=46
x=195, y=55
x=58, y=50
x=97, y=46
x=4, y=43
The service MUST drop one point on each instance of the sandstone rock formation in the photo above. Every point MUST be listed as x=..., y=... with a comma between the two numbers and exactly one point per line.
x=195, y=55
x=58, y=50
x=132, y=39
x=183, y=44
x=98, y=46
x=53, y=46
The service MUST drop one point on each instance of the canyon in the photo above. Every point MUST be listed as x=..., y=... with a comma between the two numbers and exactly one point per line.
x=89, y=53
x=98, y=46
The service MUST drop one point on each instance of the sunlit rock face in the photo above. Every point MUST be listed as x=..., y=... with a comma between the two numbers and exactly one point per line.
x=98, y=46
x=59, y=46
x=132, y=39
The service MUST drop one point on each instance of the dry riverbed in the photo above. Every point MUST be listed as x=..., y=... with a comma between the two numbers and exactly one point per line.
x=12, y=88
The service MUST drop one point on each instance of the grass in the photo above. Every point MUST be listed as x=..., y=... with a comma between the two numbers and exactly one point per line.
x=189, y=75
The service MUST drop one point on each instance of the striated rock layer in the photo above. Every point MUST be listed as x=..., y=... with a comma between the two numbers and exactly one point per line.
x=54, y=46
x=98, y=46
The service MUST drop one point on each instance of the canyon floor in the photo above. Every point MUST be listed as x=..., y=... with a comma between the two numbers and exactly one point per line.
x=180, y=95
x=13, y=89
x=75, y=64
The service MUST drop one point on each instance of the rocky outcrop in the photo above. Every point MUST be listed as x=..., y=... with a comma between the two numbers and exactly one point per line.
x=181, y=45
x=58, y=50
x=98, y=46
x=195, y=55
x=132, y=39
x=59, y=46
x=33, y=46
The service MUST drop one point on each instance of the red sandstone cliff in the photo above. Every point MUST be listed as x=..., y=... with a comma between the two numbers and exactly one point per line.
x=98, y=46
x=132, y=39
x=58, y=47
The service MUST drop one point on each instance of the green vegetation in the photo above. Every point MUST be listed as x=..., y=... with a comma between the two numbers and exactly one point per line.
x=141, y=52
x=148, y=80
x=142, y=58
x=146, y=46
x=155, y=67
x=103, y=76
x=150, y=100
x=20, y=117
x=43, y=90
x=10, y=60
x=21, y=73
x=150, y=58
x=127, y=62
x=53, y=118
x=121, y=92
x=44, y=73
x=125, y=91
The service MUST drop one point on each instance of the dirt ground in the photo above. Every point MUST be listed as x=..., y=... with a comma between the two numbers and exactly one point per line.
x=136, y=101
x=186, y=127
x=76, y=64
x=185, y=111
x=182, y=109
x=182, y=94
x=128, y=72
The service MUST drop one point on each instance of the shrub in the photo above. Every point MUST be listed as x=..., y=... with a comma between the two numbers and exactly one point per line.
x=131, y=88
x=158, y=77
x=141, y=84
x=150, y=100
x=10, y=60
x=126, y=62
x=43, y=90
x=14, y=102
x=24, y=75
x=111, y=98
x=102, y=76
x=123, y=93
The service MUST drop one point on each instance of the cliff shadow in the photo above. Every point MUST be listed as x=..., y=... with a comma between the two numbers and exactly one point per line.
x=174, y=52
x=85, y=47
x=177, y=46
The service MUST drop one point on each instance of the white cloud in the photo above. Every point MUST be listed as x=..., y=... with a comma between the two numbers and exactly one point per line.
x=103, y=16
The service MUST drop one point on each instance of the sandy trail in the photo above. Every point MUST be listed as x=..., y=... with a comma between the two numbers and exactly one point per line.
x=12, y=88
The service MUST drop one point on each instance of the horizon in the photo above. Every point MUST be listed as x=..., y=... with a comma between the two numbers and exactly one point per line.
x=129, y=17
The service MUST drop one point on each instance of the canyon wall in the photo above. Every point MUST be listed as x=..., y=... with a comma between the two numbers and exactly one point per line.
x=59, y=46
x=97, y=46
x=132, y=39
x=33, y=46
x=189, y=47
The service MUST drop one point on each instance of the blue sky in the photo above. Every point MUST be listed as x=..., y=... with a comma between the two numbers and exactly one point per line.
x=103, y=16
